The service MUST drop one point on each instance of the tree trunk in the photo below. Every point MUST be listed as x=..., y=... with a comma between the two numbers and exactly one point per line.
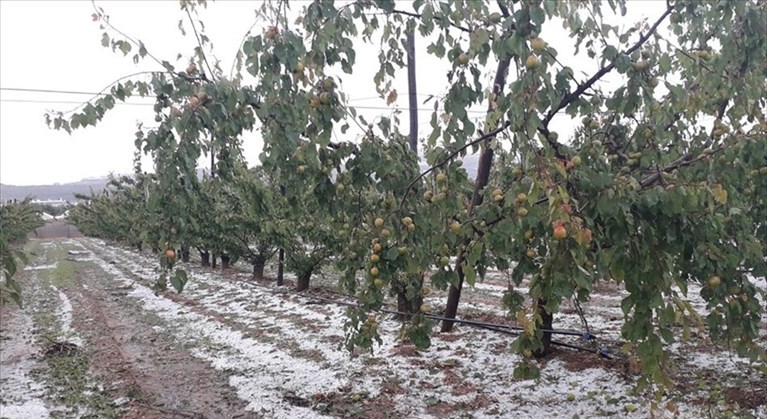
x=225, y=259
x=205, y=258
x=483, y=175
x=302, y=283
x=281, y=269
x=213, y=260
x=185, y=254
x=547, y=324
x=258, y=270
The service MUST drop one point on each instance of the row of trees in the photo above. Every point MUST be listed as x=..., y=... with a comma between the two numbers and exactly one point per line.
x=661, y=186
x=17, y=220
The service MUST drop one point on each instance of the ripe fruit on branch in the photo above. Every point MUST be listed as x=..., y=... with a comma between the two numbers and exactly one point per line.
x=326, y=98
x=314, y=102
x=340, y=187
x=529, y=234
x=375, y=258
x=378, y=222
x=560, y=232
x=378, y=282
x=271, y=32
x=301, y=168
x=441, y=178
x=411, y=228
x=576, y=161
x=714, y=281
x=373, y=271
x=170, y=254
x=538, y=44
x=495, y=18
x=521, y=198
x=532, y=62
x=377, y=247
x=522, y=212
x=444, y=261
x=455, y=227
x=407, y=221
x=425, y=308
x=463, y=59
x=530, y=253
x=641, y=65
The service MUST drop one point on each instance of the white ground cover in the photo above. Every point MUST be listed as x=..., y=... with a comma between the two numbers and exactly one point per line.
x=21, y=394
x=275, y=344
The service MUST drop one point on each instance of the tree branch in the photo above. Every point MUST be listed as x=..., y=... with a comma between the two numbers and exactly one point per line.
x=570, y=97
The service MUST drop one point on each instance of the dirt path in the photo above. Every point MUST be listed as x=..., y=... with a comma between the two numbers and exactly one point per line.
x=76, y=316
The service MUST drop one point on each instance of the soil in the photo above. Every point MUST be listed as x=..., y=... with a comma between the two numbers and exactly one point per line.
x=94, y=341
x=146, y=373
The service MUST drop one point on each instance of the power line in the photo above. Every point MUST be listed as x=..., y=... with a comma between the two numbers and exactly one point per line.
x=67, y=92
x=64, y=102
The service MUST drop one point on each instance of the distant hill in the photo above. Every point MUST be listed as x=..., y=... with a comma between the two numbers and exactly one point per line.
x=65, y=191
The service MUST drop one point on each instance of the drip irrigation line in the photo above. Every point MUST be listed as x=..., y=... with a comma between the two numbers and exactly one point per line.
x=500, y=328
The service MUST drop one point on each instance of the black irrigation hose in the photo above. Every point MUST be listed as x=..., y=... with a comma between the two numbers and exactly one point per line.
x=501, y=328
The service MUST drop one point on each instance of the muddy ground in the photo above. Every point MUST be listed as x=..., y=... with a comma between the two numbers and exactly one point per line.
x=95, y=341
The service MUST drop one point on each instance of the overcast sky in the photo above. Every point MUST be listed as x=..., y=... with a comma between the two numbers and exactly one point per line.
x=55, y=46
